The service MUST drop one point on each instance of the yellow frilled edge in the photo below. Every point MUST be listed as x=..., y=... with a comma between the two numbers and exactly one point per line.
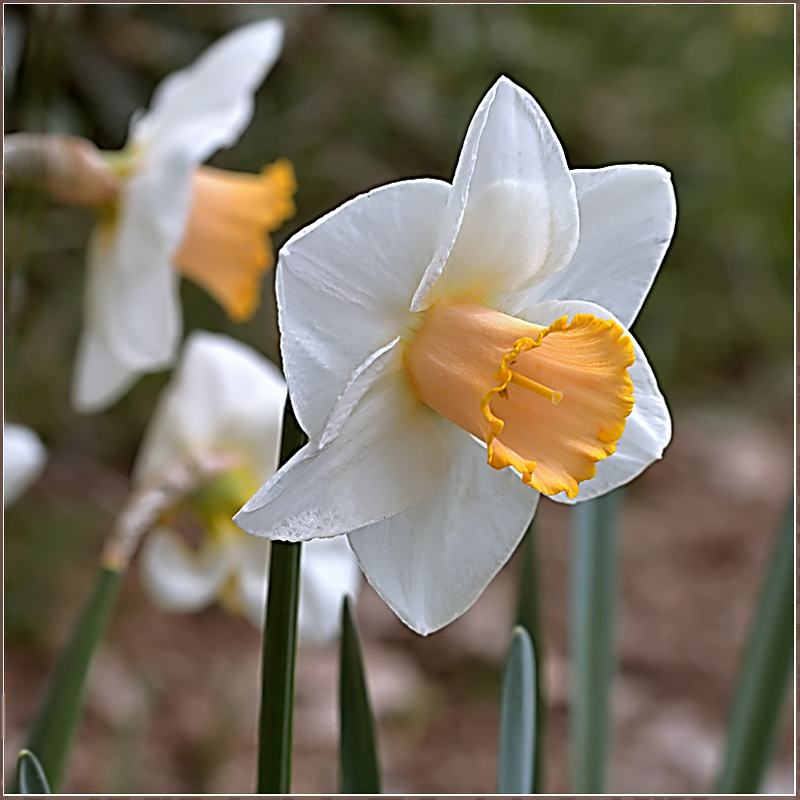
x=550, y=402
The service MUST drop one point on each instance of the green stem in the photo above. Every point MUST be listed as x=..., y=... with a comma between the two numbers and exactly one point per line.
x=529, y=616
x=279, y=649
x=58, y=716
x=277, y=677
x=764, y=676
x=594, y=585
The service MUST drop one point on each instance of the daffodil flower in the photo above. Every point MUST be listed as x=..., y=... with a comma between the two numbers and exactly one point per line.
x=170, y=217
x=226, y=400
x=453, y=351
x=23, y=459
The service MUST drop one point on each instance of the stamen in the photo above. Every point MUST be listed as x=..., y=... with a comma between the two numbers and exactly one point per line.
x=533, y=386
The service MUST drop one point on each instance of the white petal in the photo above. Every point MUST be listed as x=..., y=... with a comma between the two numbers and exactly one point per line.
x=100, y=378
x=512, y=218
x=328, y=572
x=134, y=291
x=385, y=457
x=23, y=460
x=207, y=105
x=224, y=398
x=133, y=317
x=177, y=578
x=648, y=429
x=627, y=221
x=344, y=285
x=431, y=563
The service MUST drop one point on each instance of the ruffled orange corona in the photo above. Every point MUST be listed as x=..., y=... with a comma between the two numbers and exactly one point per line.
x=550, y=402
x=226, y=247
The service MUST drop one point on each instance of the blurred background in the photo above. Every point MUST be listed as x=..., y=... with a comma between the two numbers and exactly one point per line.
x=364, y=95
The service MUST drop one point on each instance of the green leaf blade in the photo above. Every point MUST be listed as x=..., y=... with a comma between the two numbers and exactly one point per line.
x=360, y=771
x=593, y=597
x=32, y=779
x=58, y=717
x=529, y=616
x=515, y=772
x=764, y=675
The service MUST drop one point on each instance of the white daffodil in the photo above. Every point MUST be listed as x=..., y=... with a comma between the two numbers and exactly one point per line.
x=170, y=216
x=428, y=328
x=227, y=400
x=23, y=460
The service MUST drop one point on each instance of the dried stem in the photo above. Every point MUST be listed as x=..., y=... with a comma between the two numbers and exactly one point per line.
x=147, y=503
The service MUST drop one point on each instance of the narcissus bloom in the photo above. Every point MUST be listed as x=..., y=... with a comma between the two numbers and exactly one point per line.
x=172, y=217
x=454, y=350
x=227, y=400
x=23, y=459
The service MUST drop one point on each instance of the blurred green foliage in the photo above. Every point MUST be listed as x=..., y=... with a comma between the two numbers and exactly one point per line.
x=366, y=94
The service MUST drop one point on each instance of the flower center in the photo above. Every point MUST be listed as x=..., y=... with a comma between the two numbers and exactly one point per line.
x=550, y=402
x=225, y=248
x=219, y=498
x=122, y=164
x=208, y=527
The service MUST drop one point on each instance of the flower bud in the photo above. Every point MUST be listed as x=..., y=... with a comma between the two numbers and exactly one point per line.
x=69, y=168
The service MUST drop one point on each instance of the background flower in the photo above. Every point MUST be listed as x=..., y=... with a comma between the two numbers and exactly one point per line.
x=227, y=400
x=133, y=315
x=23, y=460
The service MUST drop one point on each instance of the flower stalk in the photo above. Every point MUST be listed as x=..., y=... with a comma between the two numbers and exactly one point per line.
x=276, y=718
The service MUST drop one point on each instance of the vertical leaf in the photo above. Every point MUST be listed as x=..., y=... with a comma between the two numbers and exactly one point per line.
x=360, y=772
x=594, y=582
x=517, y=717
x=279, y=648
x=529, y=616
x=32, y=779
x=57, y=719
x=764, y=676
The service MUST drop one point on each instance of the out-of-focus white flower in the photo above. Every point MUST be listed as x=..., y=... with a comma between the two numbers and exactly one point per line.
x=227, y=400
x=23, y=460
x=171, y=216
x=428, y=328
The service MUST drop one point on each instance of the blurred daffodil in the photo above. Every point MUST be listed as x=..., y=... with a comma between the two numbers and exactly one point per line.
x=225, y=400
x=428, y=328
x=169, y=216
x=23, y=459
